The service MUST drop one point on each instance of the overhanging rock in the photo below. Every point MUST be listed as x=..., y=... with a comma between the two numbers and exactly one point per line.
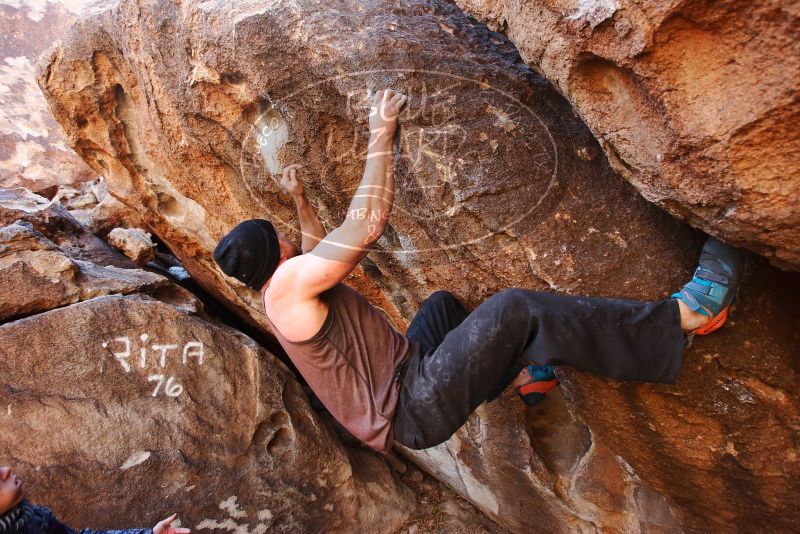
x=190, y=112
x=693, y=102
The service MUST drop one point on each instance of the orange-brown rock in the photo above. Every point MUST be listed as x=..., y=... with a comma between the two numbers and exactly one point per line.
x=33, y=153
x=135, y=243
x=123, y=400
x=190, y=114
x=38, y=276
x=105, y=213
x=693, y=102
x=138, y=408
x=58, y=226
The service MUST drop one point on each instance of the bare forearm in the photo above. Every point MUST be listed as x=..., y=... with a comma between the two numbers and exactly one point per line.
x=310, y=226
x=373, y=200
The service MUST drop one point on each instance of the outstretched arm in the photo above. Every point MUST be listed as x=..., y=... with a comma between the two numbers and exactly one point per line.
x=310, y=226
x=335, y=256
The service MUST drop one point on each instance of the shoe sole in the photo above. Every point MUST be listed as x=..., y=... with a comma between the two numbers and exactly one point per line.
x=714, y=324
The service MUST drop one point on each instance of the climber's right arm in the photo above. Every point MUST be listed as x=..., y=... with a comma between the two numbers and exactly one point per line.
x=342, y=249
x=334, y=257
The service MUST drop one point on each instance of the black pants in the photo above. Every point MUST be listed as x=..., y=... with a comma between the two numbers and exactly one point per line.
x=467, y=358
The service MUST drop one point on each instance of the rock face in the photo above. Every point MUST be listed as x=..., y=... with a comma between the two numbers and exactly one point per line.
x=715, y=453
x=135, y=243
x=32, y=149
x=191, y=112
x=58, y=226
x=95, y=209
x=140, y=405
x=37, y=276
x=693, y=102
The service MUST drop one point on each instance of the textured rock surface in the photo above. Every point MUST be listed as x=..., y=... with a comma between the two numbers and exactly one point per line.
x=218, y=430
x=121, y=408
x=693, y=102
x=58, y=226
x=37, y=276
x=190, y=113
x=135, y=243
x=105, y=213
x=32, y=149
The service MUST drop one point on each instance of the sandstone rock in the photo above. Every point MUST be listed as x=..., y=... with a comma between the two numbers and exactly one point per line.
x=134, y=243
x=38, y=276
x=692, y=102
x=59, y=226
x=491, y=161
x=190, y=113
x=32, y=149
x=95, y=209
x=107, y=214
x=131, y=404
x=138, y=408
x=73, y=199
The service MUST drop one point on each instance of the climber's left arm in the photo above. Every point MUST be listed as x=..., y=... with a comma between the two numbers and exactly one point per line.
x=310, y=226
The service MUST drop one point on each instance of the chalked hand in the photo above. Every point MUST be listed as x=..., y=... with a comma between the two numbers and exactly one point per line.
x=385, y=110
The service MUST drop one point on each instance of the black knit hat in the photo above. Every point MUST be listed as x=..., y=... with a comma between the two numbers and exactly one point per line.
x=249, y=253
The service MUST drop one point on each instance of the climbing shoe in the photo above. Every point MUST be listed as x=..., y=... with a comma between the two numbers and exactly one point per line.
x=712, y=289
x=543, y=379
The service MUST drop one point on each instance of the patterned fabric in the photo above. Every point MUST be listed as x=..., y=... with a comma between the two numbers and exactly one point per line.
x=27, y=518
x=11, y=520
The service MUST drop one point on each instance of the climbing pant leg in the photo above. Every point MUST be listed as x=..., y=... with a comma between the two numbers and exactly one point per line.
x=622, y=339
x=437, y=316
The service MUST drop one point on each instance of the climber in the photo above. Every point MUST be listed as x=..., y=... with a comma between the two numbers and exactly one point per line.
x=18, y=516
x=419, y=388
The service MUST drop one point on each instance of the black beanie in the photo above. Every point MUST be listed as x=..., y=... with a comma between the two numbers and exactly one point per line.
x=249, y=253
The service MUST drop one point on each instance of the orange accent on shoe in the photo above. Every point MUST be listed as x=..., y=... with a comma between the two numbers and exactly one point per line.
x=538, y=387
x=714, y=324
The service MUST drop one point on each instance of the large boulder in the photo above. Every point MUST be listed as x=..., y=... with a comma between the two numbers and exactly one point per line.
x=138, y=408
x=123, y=401
x=693, y=102
x=715, y=453
x=190, y=114
x=32, y=149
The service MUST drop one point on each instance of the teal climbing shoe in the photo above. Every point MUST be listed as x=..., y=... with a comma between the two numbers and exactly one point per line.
x=713, y=287
x=543, y=380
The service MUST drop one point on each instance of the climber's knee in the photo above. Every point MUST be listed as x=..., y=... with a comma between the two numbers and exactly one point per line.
x=441, y=300
x=441, y=295
x=516, y=298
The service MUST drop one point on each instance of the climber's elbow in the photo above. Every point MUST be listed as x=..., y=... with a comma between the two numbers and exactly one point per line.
x=366, y=233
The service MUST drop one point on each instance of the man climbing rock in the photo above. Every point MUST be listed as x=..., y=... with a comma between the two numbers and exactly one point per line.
x=419, y=388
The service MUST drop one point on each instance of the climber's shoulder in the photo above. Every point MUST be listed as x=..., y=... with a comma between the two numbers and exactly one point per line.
x=296, y=314
x=307, y=276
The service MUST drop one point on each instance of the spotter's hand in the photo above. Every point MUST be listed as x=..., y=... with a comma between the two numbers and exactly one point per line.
x=164, y=527
x=289, y=180
x=384, y=111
